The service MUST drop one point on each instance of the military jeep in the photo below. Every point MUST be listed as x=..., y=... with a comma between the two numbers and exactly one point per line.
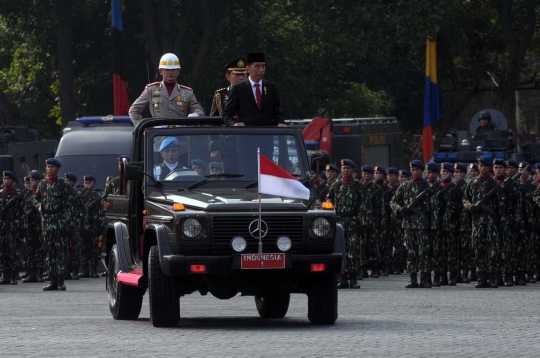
x=174, y=230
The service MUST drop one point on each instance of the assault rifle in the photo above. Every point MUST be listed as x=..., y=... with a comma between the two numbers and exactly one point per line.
x=481, y=204
x=378, y=189
x=11, y=201
x=451, y=188
x=412, y=206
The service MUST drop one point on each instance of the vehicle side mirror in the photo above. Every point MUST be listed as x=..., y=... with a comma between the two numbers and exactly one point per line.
x=318, y=160
x=135, y=170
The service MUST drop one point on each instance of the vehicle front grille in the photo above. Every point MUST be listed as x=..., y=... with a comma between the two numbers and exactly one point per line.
x=225, y=228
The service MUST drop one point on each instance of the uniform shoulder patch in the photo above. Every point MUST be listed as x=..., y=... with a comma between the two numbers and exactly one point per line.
x=221, y=89
x=152, y=84
x=186, y=87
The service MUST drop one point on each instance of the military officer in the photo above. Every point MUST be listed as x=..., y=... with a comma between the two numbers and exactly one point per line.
x=473, y=170
x=385, y=245
x=531, y=220
x=235, y=73
x=170, y=152
x=11, y=222
x=353, y=209
x=54, y=197
x=199, y=166
x=437, y=248
x=331, y=173
x=371, y=244
x=166, y=99
x=215, y=168
x=394, y=233
x=74, y=222
x=466, y=252
x=34, y=243
x=23, y=252
x=113, y=185
x=419, y=216
x=404, y=175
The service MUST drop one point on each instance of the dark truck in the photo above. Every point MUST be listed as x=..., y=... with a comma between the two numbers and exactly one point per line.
x=184, y=233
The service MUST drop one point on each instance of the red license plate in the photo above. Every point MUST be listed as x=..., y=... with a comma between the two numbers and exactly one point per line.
x=262, y=261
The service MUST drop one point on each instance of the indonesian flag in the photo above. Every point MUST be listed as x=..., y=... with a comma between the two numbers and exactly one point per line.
x=274, y=180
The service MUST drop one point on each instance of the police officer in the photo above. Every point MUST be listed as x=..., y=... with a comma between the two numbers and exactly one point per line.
x=419, y=216
x=235, y=73
x=485, y=126
x=54, y=197
x=170, y=152
x=353, y=209
x=11, y=222
x=113, y=185
x=166, y=99
x=34, y=244
x=199, y=166
x=215, y=168
x=371, y=244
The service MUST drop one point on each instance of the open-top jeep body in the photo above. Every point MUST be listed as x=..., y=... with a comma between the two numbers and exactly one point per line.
x=177, y=232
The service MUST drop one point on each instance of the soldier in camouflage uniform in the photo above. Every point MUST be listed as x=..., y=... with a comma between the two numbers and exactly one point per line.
x=385, y=246
x=113, y=186
x=372, y=238
x=536, y=199
x=22, y=254
x=394, y=233
x=485, y=230
x=11, y=222
x=531, y=219
x=353, y=210
x=437, y=246
x=419, y=217
x=93, y=225
x=35, y=261
x=54, y=197
x=466, y=252
x=74, y=222
x=332, y=172
x=400, y=253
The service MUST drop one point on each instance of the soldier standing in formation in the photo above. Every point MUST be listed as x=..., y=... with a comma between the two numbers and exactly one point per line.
x=394, y=232
x=466, y=257
x=35, y=259
x=353, y=210
x=531, y=218
x=235, y=73
x=372, y=237
x=166, y=99
x=74, y=222
x=385, y=246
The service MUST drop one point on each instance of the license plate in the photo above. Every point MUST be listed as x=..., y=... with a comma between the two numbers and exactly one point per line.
x=262, y=261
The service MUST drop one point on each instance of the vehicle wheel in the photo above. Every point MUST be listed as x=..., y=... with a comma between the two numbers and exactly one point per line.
x=125, y=301
x=323, y=300
x=164, y=298
x=273, y=305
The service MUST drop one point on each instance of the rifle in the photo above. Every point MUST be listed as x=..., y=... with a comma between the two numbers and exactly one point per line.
x=450, y=188
x=9, y=203
x=481, y=204
x=378, y=189
x=419, y=197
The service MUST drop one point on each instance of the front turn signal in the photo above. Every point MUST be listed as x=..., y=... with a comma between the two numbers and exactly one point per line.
x=178, y=207
x=327, y=206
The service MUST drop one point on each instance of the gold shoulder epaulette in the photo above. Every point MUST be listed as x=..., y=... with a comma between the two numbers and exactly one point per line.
x=221, y=89
x=186, y=87
x=152, y=84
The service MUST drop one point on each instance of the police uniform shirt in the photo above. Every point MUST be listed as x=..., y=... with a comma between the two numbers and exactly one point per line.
x=221, y=96
x=180, y=103
x=161, y=171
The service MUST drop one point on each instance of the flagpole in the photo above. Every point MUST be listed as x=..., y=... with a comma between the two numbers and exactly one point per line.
x=260, y=205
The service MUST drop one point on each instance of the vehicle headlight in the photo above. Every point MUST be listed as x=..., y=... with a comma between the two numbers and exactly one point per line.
x=238, y=244
x=321, y=227
x=191, y=228
x=284, y=243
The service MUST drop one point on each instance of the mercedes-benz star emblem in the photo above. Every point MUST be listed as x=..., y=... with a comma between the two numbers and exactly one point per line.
x=254, y=228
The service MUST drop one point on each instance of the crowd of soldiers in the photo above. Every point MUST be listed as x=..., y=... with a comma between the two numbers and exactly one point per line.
x=50, y=230
x=463, y=223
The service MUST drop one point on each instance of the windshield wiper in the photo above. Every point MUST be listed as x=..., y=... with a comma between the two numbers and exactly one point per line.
x=212, y=176
x=252, y=185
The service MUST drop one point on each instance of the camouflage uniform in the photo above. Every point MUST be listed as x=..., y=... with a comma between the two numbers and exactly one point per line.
x=438, y=244
x=35, y=259
x=373, y=230
x=12, y=220
x=395, y=233
x=531, y=220
x=466, y=256
x=74, y=223
x=112, y=187
x=451, y=207
x=510, y=228
x=354, y=212
x=93, y=225
x=56, y=205
x=388, y=233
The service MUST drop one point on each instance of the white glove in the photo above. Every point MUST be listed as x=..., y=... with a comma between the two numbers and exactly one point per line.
x=193, y=115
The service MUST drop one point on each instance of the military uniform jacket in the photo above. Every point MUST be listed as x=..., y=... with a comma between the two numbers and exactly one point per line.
x=12, y=212
x=475, y=190
x=161, y=171
x=56, y=203
x=536, y=195
x=351, y=201
x=530, y=211
x=450, y=206
x=465, y=220
x=112, y=187
x=221, y=97
x=388, y=194
x=510, y=205
x=180, y=103
x=32, y=216
x=377, y=202
x=93, y=222
x=405, y=194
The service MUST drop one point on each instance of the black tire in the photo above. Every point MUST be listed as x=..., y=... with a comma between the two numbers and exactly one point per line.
x=125, y=301
x=323, y=301
x=164, y=298
x=273, y=305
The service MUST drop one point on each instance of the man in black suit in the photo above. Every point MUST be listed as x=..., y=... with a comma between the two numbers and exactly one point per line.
x=254, y=101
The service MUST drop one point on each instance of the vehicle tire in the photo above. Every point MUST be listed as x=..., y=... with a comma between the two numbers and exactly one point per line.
x=273, y=305
x=164, y=298
x=125, y=301
x=323, y=301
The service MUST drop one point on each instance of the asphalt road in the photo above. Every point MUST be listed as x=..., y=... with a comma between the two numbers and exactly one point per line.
x=382, y=319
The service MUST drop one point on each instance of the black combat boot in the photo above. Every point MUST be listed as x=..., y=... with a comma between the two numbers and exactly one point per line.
x=365, y=273
x=40, y=276
x=343, y=283
x=397, y=268
x=500, y=280
x=457, y=276
x=452, y=281
x=61, y=286
x=6, y=277
x=375, y=271
x=413, y=283
x=473, y=277
x=86, y=272
x=520, y=278
x=494, y=280
x=385, y=271
x=465, y=277
x=436, y=279
x=26, y=273
x=75, y=272
x=425, y=280
x=14, y=277
x=508, y=279
x=31, y=277
x=93, y=271
x=353, y=282
x=444, y=278
x=482, y=280
x=531, y=278
x=53, y=286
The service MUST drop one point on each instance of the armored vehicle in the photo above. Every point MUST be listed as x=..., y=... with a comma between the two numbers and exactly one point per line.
x=174, y=231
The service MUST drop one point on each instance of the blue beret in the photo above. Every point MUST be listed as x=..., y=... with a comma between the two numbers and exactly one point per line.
x=417, y=164
x=473, y=166
x=349, y=162
x=10, y=174
x=513, y=163
x=498, y=161
x=382, y=170
x=537, y=165
x=332, y=167
x=323, y=175
x=461, y=167
x=392, y=170
x=127, y=157
x=485, y=160
x=169, y=142
x=449, y=166
x=89, y=178
x=27, y=179
x=216, y=165
x=434, y=167
x=525, y=166
x=71, y=176
x=199, y=163
x=53, y=161
x=368, y=169
x=404, y=172
x=36, y=175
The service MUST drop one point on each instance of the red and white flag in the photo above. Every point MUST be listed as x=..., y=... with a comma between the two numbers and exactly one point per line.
x=274, y=180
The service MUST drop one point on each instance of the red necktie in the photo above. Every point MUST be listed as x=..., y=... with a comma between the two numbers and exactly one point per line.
x=258, y=95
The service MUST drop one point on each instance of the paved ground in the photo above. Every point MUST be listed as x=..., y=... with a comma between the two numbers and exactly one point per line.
x=382, y=319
